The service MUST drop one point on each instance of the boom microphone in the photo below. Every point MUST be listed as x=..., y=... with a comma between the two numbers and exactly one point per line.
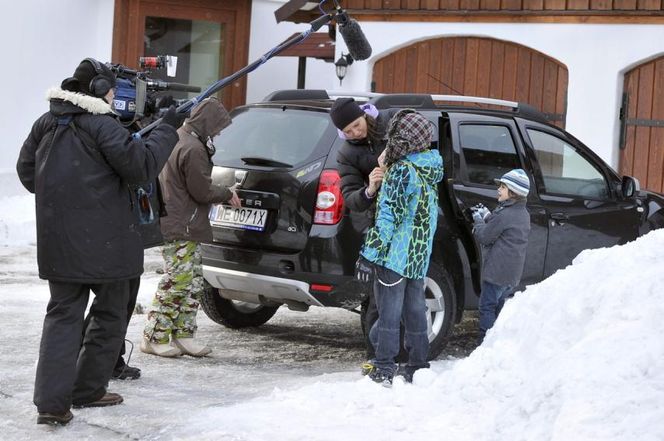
x=350, y=31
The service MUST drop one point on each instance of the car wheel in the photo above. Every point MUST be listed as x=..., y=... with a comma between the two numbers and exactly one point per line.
x=441, y=304
x=234, y=313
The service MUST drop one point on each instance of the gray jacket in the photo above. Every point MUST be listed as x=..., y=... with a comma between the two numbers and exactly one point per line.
x=503, y=235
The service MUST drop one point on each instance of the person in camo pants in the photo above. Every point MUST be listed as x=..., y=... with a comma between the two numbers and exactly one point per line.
x=188, y=192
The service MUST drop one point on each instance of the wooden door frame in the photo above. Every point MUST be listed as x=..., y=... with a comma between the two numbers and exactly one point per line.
x=424, y=55
x=129, y=26
x=642, y=124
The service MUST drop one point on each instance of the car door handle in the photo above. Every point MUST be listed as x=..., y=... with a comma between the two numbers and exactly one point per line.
x=559, y=216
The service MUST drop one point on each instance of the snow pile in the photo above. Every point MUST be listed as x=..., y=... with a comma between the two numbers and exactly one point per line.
x=17, y=220
x=579, y=356
x=17, y=217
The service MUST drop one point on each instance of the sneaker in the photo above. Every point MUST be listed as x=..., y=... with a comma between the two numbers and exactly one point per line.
x=109, y=399
x=160, y=349
x=190, y=346
x=126, y=372
x=54, y=419
x=382, y=377
x=367, y=368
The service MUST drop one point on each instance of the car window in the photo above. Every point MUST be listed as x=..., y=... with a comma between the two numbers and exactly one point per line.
x=285, y=135
x=564, y=169
x=488, y=151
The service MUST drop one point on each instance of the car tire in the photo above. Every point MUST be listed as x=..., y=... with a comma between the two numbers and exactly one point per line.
x=441, y=304
x=233, y=313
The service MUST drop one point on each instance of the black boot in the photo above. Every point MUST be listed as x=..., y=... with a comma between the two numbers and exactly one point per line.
x=125, y=372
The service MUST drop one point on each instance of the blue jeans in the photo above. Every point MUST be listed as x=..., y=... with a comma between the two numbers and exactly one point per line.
x=492, y=299
x=399, y=299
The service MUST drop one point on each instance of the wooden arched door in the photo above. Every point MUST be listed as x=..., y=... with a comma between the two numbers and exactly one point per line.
x=642, y=118
x=476, y=66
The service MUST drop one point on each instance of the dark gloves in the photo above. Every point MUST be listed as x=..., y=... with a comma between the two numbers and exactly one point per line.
x=165, y=101
x=480, y=212
x=363, y=270
x=173, y=118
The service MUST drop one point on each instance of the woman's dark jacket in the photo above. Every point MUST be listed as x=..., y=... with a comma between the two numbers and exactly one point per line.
x=86, y=230
x=356, y=159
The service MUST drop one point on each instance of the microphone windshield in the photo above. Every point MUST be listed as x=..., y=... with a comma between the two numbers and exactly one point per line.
x=356, y=42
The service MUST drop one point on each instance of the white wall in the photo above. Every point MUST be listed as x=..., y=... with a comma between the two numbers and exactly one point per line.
x=43, y=42
x=596, y=56
x=280, y=72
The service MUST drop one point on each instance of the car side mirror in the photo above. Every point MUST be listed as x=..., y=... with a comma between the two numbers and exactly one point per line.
x=629, y=187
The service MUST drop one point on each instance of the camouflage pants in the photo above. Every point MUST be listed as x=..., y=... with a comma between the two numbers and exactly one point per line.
x=178, y=294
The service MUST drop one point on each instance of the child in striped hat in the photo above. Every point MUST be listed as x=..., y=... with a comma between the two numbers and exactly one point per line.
x=503, y=235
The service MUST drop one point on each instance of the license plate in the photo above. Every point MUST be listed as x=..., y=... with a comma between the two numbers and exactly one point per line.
x=243, y=218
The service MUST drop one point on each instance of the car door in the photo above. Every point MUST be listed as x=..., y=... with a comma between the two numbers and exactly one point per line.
x=484, y=148
x=580, y=196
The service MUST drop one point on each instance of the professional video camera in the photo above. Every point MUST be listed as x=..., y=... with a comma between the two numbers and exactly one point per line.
x=137, y=95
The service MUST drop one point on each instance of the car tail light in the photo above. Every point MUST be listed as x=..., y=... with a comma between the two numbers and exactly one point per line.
x=329, y=201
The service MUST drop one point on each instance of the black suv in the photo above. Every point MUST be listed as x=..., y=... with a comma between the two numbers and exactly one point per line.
x=293, y=243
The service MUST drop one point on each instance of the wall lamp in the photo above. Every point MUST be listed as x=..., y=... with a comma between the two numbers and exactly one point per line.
x=341, y=66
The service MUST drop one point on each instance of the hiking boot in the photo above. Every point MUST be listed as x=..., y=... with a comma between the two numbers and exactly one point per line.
x=160, y=349
x=190, y=346
x=382, y=377
x=368, y=368
x=54, y=419
x=109, y=399
x=126, y=372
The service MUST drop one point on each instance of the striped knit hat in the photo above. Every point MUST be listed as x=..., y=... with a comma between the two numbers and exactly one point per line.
x=515, y=180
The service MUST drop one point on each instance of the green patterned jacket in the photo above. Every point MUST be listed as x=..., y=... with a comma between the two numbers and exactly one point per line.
x=407, y=213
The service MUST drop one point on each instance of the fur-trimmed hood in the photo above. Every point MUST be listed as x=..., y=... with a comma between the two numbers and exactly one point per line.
x=89, y=104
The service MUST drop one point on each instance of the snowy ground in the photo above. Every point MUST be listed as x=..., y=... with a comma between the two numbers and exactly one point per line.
x=579, y=356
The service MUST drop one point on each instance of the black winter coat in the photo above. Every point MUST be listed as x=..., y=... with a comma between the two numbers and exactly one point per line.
x=86, y=231
x=356, y=160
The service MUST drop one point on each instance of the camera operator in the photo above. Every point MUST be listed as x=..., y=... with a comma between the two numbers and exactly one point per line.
x=78, y=161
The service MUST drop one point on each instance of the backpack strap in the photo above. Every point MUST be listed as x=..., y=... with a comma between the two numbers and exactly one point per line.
x=83, y=136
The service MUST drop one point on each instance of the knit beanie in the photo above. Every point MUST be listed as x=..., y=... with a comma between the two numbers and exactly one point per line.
x=344, y=111
x=517, y=181
x=83, y=75
x=408, y=132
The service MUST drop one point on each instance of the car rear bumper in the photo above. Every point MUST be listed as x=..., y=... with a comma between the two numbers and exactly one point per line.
x=258, y=276
x=252, y=288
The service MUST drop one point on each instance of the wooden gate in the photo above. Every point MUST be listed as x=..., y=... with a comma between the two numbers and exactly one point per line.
x=642, y=129
x=476, y=67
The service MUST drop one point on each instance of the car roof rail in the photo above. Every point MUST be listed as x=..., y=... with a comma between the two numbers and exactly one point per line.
x=353, y=94
x=297, y=95
x=476, y=100
x=428, y=102
x=411, y=100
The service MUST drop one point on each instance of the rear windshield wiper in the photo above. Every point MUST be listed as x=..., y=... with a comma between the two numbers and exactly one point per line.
x=256, y=160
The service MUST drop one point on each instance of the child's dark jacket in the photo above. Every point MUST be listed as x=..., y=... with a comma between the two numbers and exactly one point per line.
x=503, y=235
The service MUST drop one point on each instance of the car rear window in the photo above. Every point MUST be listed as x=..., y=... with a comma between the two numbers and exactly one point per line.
x=280, y=135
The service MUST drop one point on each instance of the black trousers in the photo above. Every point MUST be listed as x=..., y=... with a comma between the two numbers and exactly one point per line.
x=71, y=371
x=134, y=285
